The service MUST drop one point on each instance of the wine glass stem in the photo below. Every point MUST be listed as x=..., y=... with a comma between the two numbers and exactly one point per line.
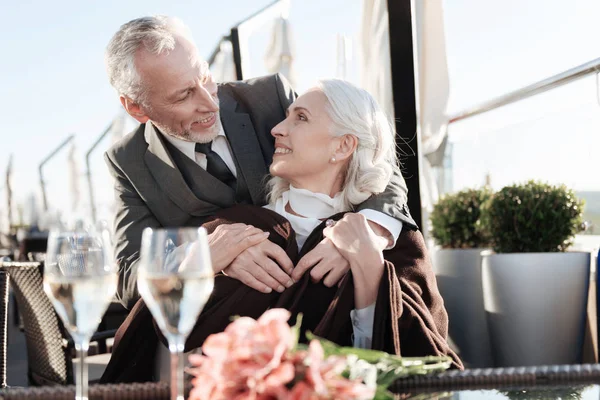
x=81, y=371
x=176, y=371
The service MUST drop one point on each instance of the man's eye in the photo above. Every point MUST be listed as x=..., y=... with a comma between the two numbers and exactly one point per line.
x=187, y=94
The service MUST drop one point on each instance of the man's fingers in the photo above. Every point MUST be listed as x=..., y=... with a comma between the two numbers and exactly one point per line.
x=238, y=226
x=250, y=240
x=334, y=276
x=319, y=271
x=306, y=263
x=247, y=279
x=280, y=257
x=260, y=274
x=276, y=272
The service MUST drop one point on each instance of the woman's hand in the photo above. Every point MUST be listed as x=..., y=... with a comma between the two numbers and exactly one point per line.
x=229, y=241
x=358, y=244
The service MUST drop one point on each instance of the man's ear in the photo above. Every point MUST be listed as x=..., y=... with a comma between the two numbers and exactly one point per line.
x=134, y=109
x=346, y=147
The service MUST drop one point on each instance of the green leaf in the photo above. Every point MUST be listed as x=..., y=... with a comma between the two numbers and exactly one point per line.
x=296, y=331
x=383, y=394
x=389, y=367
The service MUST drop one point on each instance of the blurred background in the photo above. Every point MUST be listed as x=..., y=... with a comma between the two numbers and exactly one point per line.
x=53, y=85
x=484, y=93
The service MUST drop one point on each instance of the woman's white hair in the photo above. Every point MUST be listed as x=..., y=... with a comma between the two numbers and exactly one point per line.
x=156, y=34
x=354, y=111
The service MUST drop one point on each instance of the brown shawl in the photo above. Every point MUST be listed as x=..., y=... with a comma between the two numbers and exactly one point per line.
x=410, y=318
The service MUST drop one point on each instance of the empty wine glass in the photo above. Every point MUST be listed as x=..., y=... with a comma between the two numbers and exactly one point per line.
x=80, y=279
x=175, y=279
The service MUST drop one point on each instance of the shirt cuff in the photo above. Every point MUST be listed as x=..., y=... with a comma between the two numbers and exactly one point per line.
x=362, y=326
x=392, y=225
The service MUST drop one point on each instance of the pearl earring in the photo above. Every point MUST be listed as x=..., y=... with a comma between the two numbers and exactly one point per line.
x=332, y=159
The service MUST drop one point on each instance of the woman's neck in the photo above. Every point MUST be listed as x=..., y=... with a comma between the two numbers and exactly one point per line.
x=324, y=185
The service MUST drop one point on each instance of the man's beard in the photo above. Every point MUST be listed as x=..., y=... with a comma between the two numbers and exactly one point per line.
x=208, y=135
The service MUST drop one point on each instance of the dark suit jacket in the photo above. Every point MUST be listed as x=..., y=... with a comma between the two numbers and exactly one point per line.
x=158, y=186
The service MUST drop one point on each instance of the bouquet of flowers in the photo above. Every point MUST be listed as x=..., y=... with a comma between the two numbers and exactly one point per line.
x=262, y=359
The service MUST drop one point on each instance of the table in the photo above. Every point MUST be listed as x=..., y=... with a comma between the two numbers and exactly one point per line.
x=540, y=382
x=543, y=382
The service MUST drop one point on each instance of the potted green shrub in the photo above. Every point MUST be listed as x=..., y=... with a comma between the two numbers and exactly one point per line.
x=535, y=293
x=457, y=264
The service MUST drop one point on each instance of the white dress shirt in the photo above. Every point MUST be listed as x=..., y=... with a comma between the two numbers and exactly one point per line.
x=219, y=145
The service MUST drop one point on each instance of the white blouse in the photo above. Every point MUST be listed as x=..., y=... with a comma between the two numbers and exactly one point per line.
x=314, y=207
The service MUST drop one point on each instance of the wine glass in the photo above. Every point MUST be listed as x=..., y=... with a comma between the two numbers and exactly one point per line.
x=175, y=279
x=80, y=279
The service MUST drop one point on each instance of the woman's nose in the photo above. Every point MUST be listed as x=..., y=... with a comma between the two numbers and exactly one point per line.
x=279, y=129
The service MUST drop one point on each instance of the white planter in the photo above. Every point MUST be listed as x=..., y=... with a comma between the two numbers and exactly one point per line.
x=536, y=306
x=458, y=274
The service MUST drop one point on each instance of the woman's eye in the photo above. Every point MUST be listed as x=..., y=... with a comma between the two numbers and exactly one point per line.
x=302, y=117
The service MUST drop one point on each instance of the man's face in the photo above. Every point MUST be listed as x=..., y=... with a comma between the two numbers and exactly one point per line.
x=181, y=95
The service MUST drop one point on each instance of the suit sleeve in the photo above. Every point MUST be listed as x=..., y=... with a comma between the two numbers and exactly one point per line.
x=131, y=217
x=285, y=92
x=393, y=201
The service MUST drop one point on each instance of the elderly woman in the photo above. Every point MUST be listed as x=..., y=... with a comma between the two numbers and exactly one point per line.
x=334, y=150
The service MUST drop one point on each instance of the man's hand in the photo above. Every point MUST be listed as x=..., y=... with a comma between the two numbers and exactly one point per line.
x=356, y=241
x=229, y=241
x=324, y=259
x=382, y=233
x=264, y=267
x=363, y=248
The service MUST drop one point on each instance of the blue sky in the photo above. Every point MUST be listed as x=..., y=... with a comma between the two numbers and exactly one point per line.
x=54, y=83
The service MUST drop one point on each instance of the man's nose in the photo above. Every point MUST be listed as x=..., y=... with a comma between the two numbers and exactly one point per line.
x=207, y=99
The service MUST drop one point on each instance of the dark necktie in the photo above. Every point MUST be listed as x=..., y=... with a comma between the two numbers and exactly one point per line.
x=215, y=165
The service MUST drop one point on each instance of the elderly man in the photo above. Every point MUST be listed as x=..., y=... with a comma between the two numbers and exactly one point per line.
x=201, y=147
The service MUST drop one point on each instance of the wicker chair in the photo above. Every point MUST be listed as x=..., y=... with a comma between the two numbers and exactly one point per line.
x=49, y=347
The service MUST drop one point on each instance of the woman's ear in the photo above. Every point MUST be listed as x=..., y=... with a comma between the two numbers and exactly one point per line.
x=134, y=109
x=346, y=147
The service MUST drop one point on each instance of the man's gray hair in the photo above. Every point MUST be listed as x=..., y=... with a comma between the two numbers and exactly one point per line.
x=156, y=34
x=354, y=111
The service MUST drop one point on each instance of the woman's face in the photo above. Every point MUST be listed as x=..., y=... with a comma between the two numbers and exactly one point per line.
x=304, y=145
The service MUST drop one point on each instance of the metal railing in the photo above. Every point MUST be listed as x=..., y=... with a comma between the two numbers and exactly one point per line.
x=270, y=11
x=41, y=168
x=544, y=85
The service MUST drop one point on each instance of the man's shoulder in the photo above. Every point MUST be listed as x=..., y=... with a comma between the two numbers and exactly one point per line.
x=131, y=144
x=274, y=86
x=267, y=82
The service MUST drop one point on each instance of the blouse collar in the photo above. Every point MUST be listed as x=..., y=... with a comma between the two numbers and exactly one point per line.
x=312, y=205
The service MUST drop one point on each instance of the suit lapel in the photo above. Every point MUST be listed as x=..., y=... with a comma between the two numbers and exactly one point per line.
x=244, y=146
x=169, y=178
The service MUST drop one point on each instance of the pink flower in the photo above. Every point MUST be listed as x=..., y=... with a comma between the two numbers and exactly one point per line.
x=324, y=376
x=302, y=391
x=253, y=359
